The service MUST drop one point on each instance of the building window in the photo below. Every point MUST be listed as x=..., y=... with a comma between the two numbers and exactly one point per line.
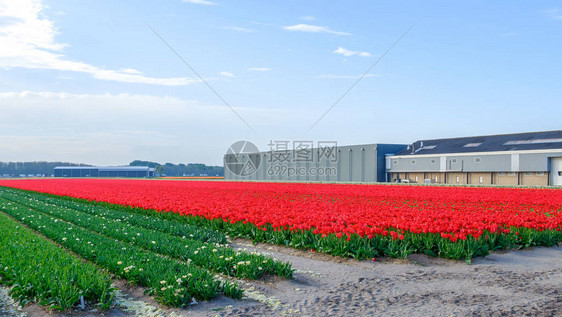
x=560, y=173
x=501, y=173
x=511, y=174
x=477, y=160
x=454, y=161
x=428, y=147
x=458, y=179
x=436, y=179
x=416, y=179
x=528, y=173
x=433, y=161
x=540, y=173
x=413, y=162
x=395, y=162
x=481, y=179
x=472, y=145
x=534, y=141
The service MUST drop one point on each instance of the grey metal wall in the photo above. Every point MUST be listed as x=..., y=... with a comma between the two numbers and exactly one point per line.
x=356, y=163
x=481, y=162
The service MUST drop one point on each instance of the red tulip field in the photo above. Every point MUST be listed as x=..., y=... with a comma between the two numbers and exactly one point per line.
x=361, y=221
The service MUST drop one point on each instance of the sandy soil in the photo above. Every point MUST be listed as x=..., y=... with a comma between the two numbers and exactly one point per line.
x=515, y=283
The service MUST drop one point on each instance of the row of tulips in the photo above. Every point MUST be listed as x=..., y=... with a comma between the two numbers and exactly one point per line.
x=172, y=282
x=147, y=221
x=216, y=257
x=39, y=271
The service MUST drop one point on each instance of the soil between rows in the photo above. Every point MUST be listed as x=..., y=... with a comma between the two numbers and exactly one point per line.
x=523, y=283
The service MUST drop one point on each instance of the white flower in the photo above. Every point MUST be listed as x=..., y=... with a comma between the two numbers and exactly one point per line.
x=119, y=263
x=162, y=282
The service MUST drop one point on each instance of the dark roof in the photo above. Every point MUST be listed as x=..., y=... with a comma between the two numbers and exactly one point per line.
x=106, y=168
x=488, y=143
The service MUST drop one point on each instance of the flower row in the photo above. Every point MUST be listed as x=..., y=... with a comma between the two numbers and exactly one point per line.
x=42, y=272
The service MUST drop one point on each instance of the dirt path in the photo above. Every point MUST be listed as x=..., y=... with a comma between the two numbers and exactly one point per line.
x=527, y=282
x=521, y=283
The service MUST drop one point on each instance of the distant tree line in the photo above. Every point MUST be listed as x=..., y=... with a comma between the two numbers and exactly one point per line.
x=26, y=169
x=16, y=169
x=190, y=169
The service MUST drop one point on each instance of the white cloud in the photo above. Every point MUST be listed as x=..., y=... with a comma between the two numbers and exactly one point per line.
x=227, y=74
x=118, y=128
x=259, y=69
x=313, y=28
x=204, y=2
x=238, y=29
x=331, y=76
x=130, y=71
x=555, y=14
x=28, y=40
x=346, y=52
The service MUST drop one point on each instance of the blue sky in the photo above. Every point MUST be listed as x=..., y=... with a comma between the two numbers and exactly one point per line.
x=88, y=81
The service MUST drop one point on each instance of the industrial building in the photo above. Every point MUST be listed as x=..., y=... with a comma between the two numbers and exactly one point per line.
x=507, y=159
x=104, y=171
x=357, y=163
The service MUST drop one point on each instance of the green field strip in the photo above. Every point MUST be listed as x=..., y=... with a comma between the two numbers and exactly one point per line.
x=125, y=214
x=172, y=282
x=221, y=259
x=173, y=217
x=40, y=271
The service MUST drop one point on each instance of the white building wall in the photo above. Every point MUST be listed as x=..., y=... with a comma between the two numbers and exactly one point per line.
x=556, y=171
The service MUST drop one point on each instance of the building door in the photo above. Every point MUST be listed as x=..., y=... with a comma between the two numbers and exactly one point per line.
x=556, y=171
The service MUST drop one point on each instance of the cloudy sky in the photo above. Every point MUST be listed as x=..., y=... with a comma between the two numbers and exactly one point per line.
x=89, y=81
